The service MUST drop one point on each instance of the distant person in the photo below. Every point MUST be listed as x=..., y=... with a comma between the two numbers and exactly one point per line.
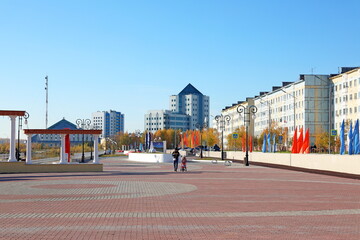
x=176, y=155
x=216, y=148
x=313, y=148
x=183, y=164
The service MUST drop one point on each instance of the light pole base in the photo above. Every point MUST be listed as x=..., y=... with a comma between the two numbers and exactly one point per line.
x=246, y=161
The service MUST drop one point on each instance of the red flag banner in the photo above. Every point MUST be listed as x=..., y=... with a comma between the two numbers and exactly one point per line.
x=185, y=140
x=294, y=145
x=192, y=140
x=197, y=139
x=307, y=141
x=251, y=144
x=300, y=141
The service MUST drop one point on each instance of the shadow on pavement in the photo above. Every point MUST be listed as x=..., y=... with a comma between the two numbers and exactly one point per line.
x=105, y=174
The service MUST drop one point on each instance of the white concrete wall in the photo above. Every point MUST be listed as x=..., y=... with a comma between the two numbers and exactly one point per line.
x=151, y=157
x=325, y=162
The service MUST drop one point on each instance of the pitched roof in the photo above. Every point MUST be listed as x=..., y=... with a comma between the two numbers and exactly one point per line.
x=63, y=124
x=190, y=89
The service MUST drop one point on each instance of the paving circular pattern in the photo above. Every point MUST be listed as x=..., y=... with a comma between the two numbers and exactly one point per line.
x=88, y=190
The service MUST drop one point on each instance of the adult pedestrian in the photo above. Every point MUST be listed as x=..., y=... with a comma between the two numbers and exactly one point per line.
x=176, y=156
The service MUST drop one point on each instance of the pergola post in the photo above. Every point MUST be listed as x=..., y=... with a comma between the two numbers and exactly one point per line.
x=28, y=149
x=63, y=158
x=12, y=157
x=96, y=149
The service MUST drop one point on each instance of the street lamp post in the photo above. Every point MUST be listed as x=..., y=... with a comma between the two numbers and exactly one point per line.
x=181, y=137
x=175, y=138
x=26, y=116
x=83, y=124
x=177, y=132
x=222, y=119
x=201, y=127
x=247, y=111
x=137, y=142
x=91, y=147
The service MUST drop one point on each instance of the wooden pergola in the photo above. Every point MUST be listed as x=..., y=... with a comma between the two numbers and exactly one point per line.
x=62, y=133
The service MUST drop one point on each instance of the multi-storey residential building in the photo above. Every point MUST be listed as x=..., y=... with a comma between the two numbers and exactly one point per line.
x=346, y=99
x=317, y=102
x=294, y=105
x=301, y=104
x=193, y=103
x=236, y=119
x=187, y=109
x=165, y=119
x=111, y=122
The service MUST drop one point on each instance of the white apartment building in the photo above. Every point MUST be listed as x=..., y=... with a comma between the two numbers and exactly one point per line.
x=301, y=104
x=317, y=102
x=187, y=109
x=236, y=120
x=193, y=103
x=111, y=122
x=346, y=99
x=165, y=119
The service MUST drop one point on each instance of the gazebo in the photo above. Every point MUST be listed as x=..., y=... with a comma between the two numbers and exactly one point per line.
x=12, y=114
x=62, y=133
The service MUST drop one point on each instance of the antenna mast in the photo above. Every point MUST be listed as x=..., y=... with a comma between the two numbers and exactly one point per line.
x=46, y=88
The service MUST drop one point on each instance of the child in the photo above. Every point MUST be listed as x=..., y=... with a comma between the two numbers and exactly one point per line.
x=183, y=164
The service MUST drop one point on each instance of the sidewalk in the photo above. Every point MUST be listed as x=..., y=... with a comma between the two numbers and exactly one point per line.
x=132, y=200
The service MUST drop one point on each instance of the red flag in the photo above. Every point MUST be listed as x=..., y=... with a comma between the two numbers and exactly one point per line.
x=192, y=140
x=67, y=145
x=307, y=142
x=197, y=142
x=300, y=141
x=251, y=144
x=185, y=140
x=294, y=145
x=182, y=141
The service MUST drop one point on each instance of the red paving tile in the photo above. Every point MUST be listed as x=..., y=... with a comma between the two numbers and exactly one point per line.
x=131, y=200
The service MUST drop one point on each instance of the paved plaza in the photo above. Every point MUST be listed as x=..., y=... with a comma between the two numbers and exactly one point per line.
x=132, y=200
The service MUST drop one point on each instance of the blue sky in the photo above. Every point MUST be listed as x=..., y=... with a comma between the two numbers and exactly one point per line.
x=130, y=56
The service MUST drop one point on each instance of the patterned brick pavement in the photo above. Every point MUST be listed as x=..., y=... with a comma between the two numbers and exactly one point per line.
x=149, y=201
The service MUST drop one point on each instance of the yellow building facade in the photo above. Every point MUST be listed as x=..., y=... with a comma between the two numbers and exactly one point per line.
x=346, y=97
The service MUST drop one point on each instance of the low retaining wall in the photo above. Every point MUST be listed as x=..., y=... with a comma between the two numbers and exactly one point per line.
x=22, y=167
x=348, y=164
x=151, y=157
